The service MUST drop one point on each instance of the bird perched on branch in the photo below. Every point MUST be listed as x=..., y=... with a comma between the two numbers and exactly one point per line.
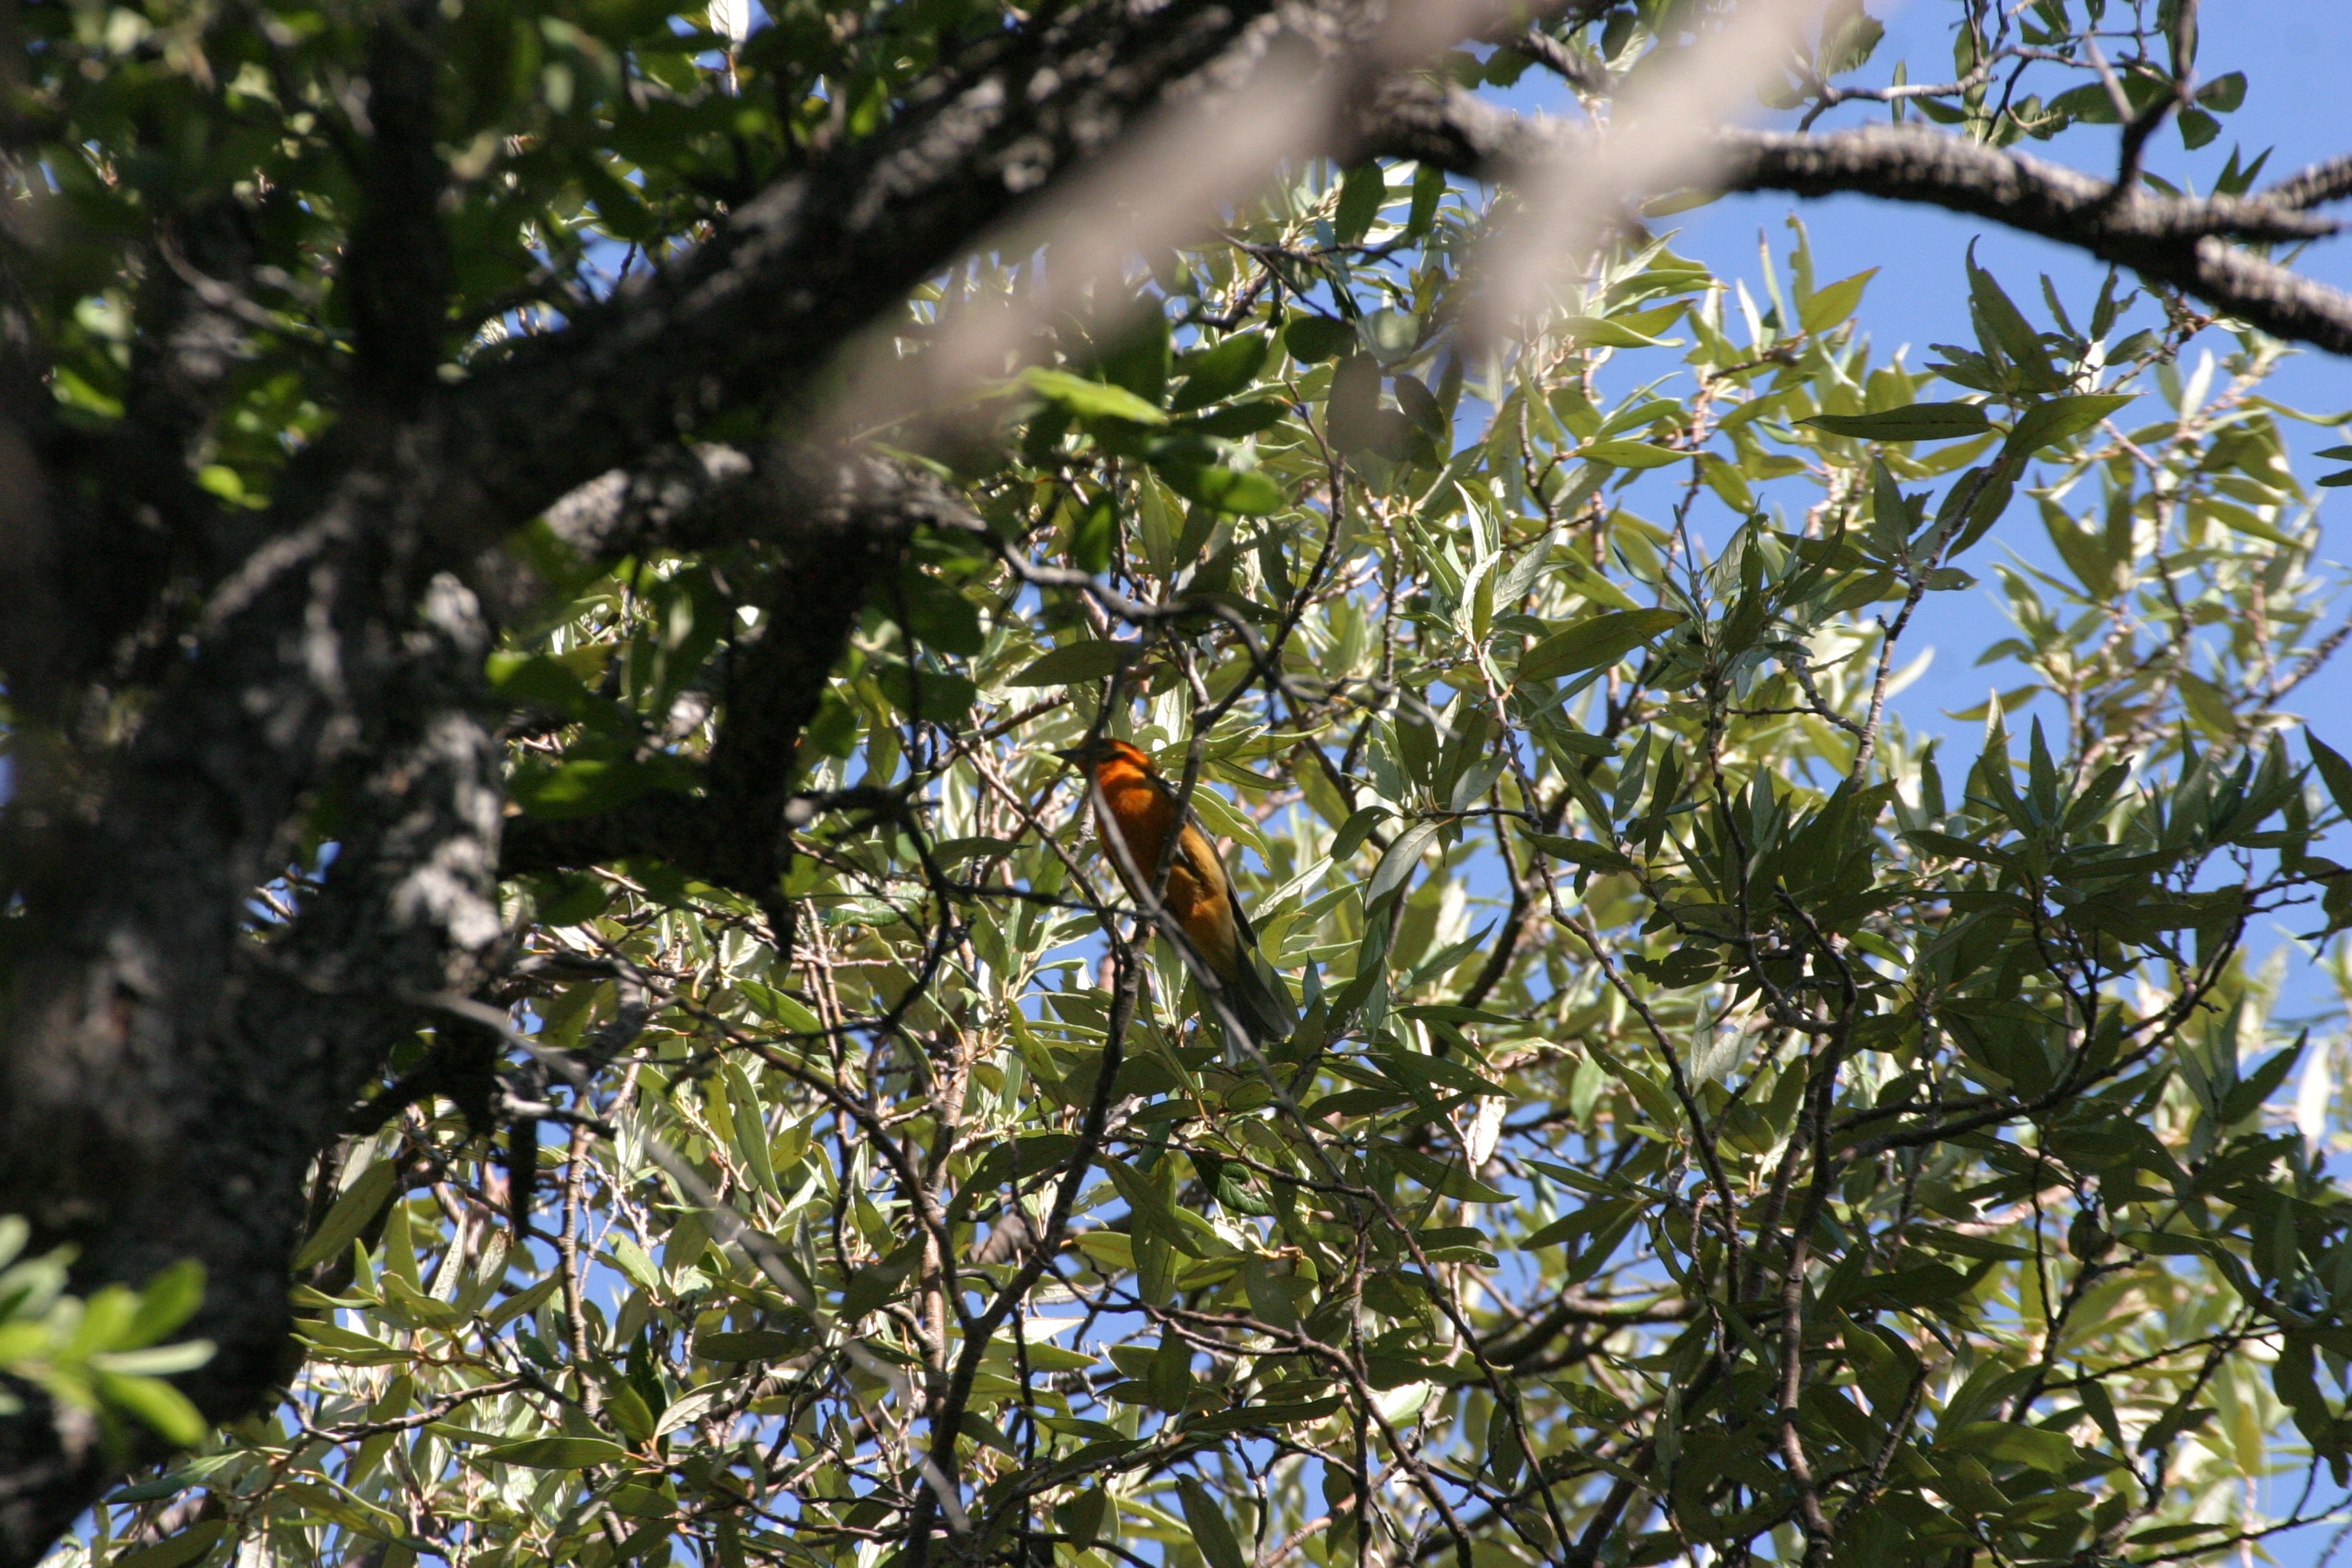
x=1134, y=802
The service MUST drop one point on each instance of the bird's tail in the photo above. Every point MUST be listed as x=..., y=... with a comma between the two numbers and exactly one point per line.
x=1260, y=999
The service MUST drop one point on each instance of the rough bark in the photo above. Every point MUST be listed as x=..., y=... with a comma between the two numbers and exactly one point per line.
x=178, y=1116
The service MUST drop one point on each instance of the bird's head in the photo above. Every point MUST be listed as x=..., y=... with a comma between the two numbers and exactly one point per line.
x=1101, y=751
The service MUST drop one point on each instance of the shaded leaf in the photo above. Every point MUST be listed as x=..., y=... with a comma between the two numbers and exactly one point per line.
x=1076, y=663
x=1913, y=422
x=1594, y=642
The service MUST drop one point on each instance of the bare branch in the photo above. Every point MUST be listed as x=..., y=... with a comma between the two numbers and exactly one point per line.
x=2321, y=183
x=2168, y=240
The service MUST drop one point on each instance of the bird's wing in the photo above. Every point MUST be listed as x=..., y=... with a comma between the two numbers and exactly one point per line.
x=1262, y=998
x=1241, y=915
x=1262, y=1003
x=1209, y=850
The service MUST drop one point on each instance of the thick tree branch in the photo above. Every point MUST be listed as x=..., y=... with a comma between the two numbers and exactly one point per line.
x=199, y=1146
x=2171, y=240
x=2320, y=183
x=398, y=263
x=841, y=524
x=2166, y=240
x=101, y=525
x=679, y=498
x=809, y=264
x=1583, y=75
x=798, y=272
x=1907, y=162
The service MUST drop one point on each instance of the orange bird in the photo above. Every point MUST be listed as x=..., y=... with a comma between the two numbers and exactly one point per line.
x=1132, y=799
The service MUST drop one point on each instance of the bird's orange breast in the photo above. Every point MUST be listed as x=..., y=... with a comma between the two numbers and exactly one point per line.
x=1140, y=809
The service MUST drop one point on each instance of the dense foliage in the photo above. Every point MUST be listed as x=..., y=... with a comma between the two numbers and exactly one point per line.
x=1724, y=1122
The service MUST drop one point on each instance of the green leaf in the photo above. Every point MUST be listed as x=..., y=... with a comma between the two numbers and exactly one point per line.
x=943, y=696
x=1092, y=533
x=1212, y=1531
x=585, y=787
x=155, y=1361
x=2262, y=1083
x=1428, y=190
x=1428, y=1071
x=1447, y=1013
x=2005, y=1443
x=1260, y=1417
x=569, y=897
x=1443, y=1176
x=875, y=1285
x=1401, y=860
x=1630, y=454
x=1250, y=494
x=1578, y=852
x=2334, y=772
x=1076, y=663
x=1951, y=849
x=781, y=1008
x=1236, y=420
x=1154, y=1212
x=558, y=1453
x=1360, y=195
x=2166, y=1534
x=1912, y=421
x=1594, y=1218
x=749, y=1345
x=1355, y=830
x=631, y=1260
x=1594, y=331
x=1214, y=374
x=2237, y=519
x=174, y=1551
x=2055, y=419
x=1834, y=303
x=348, y=1347
x=1137, y=358
x=1352, y=411
x=157, y=1404
x=1727, y=482
x=2223, y=94
x=1593, y=643
x=1090, y=399
x=170, y=1299
x=1420, y=406
x=940, y=616
x=537, y=681
x=626, y=1408
x=361, y=1202
x=2002, y=330
x=1311, y=340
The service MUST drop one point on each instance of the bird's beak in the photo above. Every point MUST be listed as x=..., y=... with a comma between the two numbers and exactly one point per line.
x=1071, y=754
